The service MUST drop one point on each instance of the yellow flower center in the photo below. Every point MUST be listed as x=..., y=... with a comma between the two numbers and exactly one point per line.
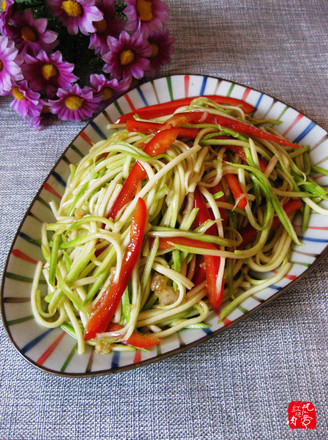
x=144, y=10
x=17, y=94
x=1, y=65
x=100, y=26
x=126, y=57
x=73, y=102
x=28, y=34
x=45, y=109
x=107, y=93
x=72, y=8
x=154, y=50
x=48, y=71
x=3, y=5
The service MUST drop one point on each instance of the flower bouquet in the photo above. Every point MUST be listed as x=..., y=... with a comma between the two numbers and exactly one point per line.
x=71, y=58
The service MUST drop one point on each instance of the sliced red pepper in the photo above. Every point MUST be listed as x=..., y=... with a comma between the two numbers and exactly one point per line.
x=200, y=272
x=211, y=263
x=105, y=308
x=102, y=156
x=143, y=127
x=290, y=208
x=169, y=242
x=153, y=127
x=212, y=266
x=208, y=269
x=166, y=108
x=138, y=340
x=203, y=213
x=249, y=234
x=202, y=216
x=223, y=212
x=129, y=189
x=181, y=119
x=237, y=192
x=161, y=142
x=239, y=151
x=157, y=145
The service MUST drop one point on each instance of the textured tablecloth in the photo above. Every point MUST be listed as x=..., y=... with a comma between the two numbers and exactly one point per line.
x=237, y=385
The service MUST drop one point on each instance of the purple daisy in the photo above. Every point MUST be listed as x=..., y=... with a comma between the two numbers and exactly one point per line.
x=75, y=104
x=26, y=102
x=7, y=10
x=44, y=113
x=48, y=72
x=76, y=14
x=148, y=15
x=127, y=56
x=107, y=89
x=29, y=34
x=109, y=25
x=162, y=47
x=10, y=61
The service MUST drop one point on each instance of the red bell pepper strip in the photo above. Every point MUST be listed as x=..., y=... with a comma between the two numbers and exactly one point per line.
x=143, y=127
x=290, y=208
x=212, y=266
x=203, y=213
x=138, y=340
x=200, y=272
x=161, y=142
x=128, y=190
x=249, y=234
x=153, y=127
x=157, y=145
x=211, y=263
x=169, y=242
x=209, y=269
x=223, y=212
x=105, y=308
x=166, y=108
x=181, y=119
x=239, y=151
x=202, y=216
x=237, y=192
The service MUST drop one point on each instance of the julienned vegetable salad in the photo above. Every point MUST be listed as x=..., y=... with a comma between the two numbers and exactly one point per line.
x=185, y=210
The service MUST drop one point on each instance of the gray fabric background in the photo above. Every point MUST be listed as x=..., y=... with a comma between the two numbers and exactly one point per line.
x=239, y=384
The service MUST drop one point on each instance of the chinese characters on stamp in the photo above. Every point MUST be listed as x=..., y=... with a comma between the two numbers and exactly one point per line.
x=301, y=415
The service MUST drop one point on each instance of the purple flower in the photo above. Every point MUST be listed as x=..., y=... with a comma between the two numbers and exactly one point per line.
x=76, y=14
x=75, y=104
x=26, y=102
x=109, y=25
x=48, y=72
x=162, y=46
x=29, y=34
x=10, y=70
x=108, y=90
x=7, y=9
x=148, y=15
x=44, y=113
x=127, y=56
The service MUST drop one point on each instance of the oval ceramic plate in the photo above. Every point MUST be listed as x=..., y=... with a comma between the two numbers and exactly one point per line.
x=53, y=350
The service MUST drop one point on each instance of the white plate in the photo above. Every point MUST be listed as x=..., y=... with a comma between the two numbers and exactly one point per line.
x=55, y=351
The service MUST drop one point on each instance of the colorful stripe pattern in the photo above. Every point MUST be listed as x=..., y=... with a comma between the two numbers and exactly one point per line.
x=51, y=349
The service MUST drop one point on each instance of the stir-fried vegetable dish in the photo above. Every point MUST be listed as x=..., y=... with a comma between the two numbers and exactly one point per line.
x=185, y=210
